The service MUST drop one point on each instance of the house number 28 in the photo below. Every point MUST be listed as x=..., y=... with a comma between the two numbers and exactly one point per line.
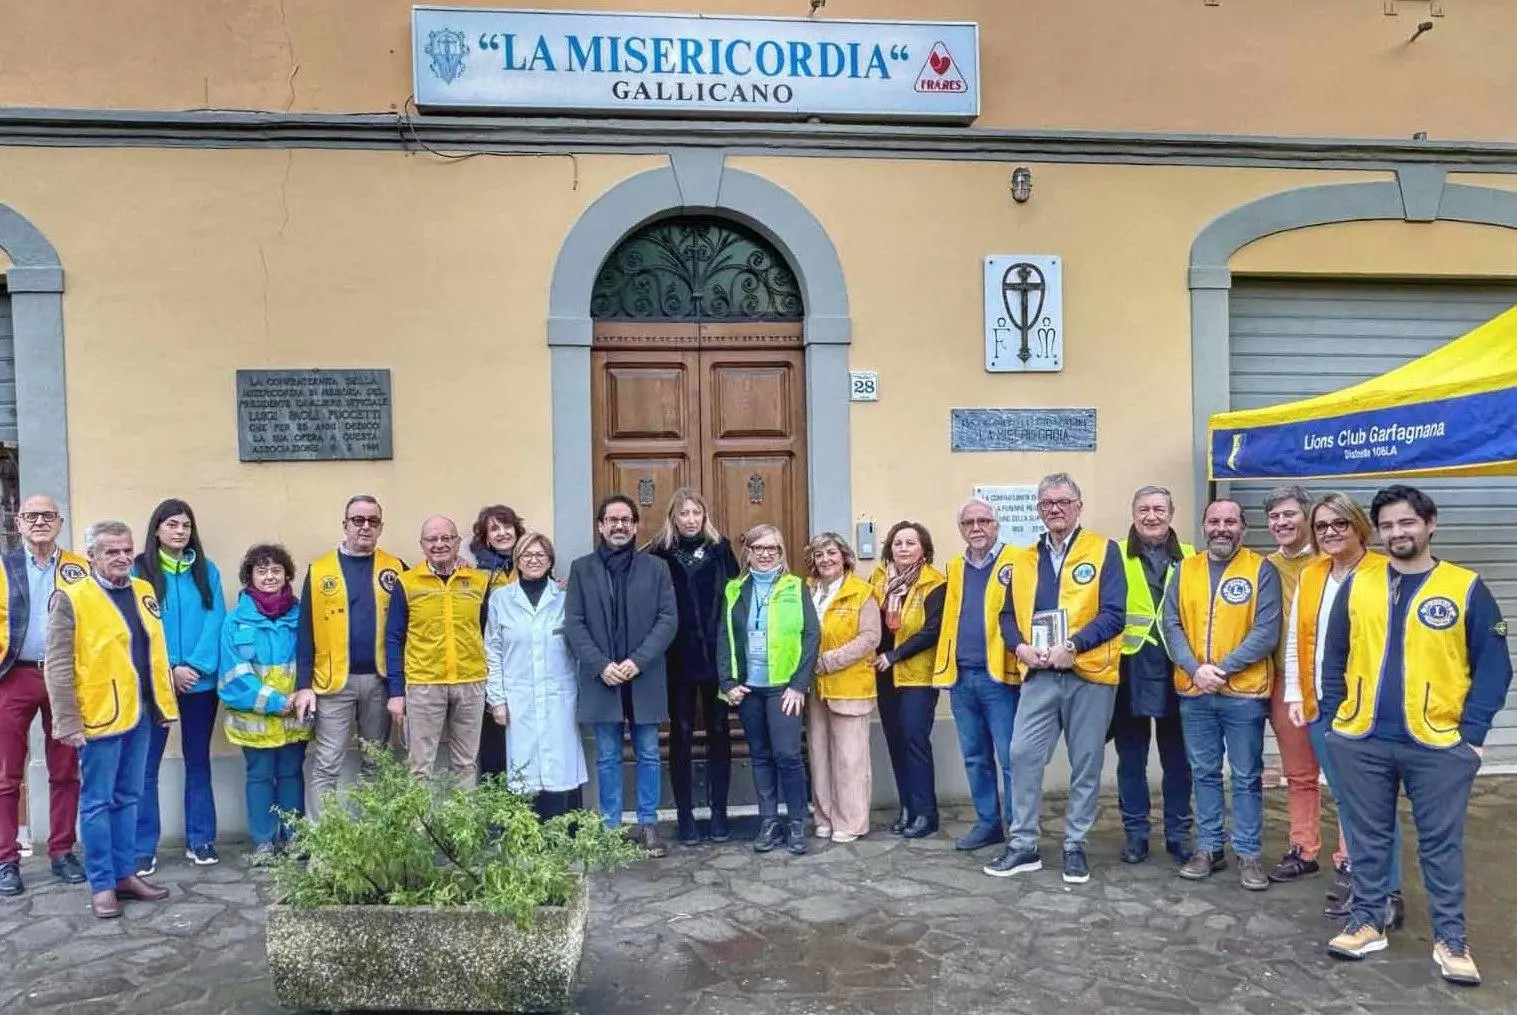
x=863, y=386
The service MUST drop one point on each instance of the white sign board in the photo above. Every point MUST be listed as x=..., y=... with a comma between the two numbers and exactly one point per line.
x=475, y=58
x=1017, y=510
x=863, y=386
x=1024, y=313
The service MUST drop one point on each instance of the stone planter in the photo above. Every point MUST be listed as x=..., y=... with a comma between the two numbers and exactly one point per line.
x=387, y=958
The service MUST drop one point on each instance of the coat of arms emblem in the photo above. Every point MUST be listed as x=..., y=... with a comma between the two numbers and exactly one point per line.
x=447, y=47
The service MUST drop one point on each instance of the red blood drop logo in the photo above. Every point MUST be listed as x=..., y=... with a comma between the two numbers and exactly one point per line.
x=940, y=63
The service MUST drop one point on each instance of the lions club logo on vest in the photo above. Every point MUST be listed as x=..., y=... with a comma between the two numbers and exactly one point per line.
x=70, y=572
x=387, y=579
x=1237, y=590
x=329, y=586
x=151, y=605
x=1084, y=574
x=1004, y=575
x=1440, y=613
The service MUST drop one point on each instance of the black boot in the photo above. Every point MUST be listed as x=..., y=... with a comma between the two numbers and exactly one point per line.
x=1395, y=912
x=899, y=825
x=797, y=841
x=719, y=830
x=688, y=833
x=771, y=833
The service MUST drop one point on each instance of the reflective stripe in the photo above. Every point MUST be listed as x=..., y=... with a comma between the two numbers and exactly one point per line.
x=259, y=705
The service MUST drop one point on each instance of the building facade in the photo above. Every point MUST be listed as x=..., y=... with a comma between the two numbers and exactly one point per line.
x=1250, y=203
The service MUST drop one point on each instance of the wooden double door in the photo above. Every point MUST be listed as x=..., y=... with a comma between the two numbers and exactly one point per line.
x=721, y=408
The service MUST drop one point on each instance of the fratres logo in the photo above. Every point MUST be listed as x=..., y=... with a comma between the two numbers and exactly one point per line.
x=329, y=586
x=1439, y=612
x=448, y=49
x=70, y=572
x=940, y=74
x=387, y=579
x=1004, y=575
x=1236, y=591
x=1084, y=574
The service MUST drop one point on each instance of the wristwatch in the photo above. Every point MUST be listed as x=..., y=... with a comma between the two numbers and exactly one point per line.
x=1069, y=646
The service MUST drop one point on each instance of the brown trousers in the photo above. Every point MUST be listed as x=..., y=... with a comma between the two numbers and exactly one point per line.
x=451, y=714
x=842, y=781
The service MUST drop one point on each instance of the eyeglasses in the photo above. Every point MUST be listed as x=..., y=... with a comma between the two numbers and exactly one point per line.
x=1062, y=505
x=618, y=520
x=977, y=523
x=34, y=517
x=536, y=555
x=434, y=540
x=1338, y=525
x=365, y=521
x=763, y=548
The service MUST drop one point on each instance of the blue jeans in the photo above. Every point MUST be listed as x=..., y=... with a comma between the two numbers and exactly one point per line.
x=275, y=779
x=774, y=750
x=608, y=770
x=1318, y=732
x=1131, y=734
x=1214, y=724
x=197, y=721
x=110, y=784
x=985, y=713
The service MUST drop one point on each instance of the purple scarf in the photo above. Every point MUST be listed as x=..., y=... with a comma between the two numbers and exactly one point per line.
x=273, y=604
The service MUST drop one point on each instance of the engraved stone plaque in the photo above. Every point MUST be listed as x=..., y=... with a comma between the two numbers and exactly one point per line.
x=313, y=415
x=1022, y=429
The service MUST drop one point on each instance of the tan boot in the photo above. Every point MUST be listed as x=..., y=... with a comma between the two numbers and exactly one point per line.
x=1456, y=966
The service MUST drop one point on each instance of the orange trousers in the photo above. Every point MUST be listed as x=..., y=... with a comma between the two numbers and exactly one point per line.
x=1302, y=789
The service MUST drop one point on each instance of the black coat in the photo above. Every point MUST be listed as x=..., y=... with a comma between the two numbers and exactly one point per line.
x=651, y=623
x=698, y=592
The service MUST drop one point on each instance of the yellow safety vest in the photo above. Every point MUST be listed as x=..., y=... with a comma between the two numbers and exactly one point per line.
x=916, y=671
x=1434, y=653
x=328, y=604
x=1215, y=624
x=1079, y=598
x=840, y=625
x=1310, y=590
x=105, y=678
x=71, y=567
x=1142, y=626
x=1000, y=664
x=445, y=642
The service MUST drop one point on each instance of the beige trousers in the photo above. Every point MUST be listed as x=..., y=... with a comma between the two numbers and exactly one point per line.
x=842, y=781
x=450, y=714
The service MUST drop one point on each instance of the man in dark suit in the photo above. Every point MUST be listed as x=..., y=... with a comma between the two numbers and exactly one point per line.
x=619, y=618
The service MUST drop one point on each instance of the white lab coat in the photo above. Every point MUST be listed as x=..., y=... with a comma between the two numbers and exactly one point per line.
x=531, y=672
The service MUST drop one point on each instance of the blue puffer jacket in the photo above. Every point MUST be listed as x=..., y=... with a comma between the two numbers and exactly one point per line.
x=193, y=632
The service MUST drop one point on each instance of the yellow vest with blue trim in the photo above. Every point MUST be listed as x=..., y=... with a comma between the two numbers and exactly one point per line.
x=328, y=603
x=71, y=567
x=1216, y=623
x=785, y=625
x=840, y=625
x=918, y=670
x=106, y=682
x=445, y=642
x=1142, y=626
x=1001, y=664
x=1079, y=598
x=1435, y=654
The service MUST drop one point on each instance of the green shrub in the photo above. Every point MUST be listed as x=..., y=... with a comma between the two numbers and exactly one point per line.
x=403, y=841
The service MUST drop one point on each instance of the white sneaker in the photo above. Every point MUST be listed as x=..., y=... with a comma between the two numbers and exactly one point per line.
x=844, y=837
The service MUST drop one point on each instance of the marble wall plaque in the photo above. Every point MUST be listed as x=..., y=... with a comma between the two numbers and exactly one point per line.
x=313, y=415
x=1022, y=429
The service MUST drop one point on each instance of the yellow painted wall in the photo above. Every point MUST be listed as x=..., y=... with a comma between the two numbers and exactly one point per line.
x=1400, y=249
x=1336, y=68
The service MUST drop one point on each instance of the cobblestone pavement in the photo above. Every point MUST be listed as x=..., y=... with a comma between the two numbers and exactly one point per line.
x=878, y=926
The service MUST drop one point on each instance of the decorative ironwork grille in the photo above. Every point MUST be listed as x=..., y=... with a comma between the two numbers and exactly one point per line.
x=696, y=269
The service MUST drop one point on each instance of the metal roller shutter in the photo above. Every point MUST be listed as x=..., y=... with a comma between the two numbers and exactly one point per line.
x=1294, y=339
x=7, y=371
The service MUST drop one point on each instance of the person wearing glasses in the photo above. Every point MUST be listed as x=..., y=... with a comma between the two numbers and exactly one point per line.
x=29, y=576
x=493, y=547
x=340, y=651
x=435, y=654
x=766, y=660
x=1341, y=529
x=619, y=619
x=531, y=690
x=188, y=586
x=107, y=670
x=1063, y=619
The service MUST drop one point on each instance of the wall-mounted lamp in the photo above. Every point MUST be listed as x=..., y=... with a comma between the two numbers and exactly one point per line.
x=1021, y=184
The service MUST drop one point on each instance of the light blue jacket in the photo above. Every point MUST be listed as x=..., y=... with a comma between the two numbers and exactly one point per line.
x=193, y=633
x=257, y=659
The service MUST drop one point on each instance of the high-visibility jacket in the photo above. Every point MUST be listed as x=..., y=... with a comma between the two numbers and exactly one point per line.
x=328, y=606
x=1310, y=592
x=916, y=671
x=1217, y=622
x=14, y=602
x=1079, y=598
x=445, y=642
x=840, y=625
x=106, y=681
x=1000, y=664
x=1142, y=626
x=785, y=625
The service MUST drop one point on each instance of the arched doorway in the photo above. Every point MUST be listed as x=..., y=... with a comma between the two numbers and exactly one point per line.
x=698, y=375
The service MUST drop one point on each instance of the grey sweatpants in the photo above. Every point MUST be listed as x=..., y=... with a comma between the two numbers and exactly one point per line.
x=363, y=702
x=1052, y=703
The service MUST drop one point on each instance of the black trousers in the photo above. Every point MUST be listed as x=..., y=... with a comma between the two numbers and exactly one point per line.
x=906, y=715
x=550, y=804
x=684, y=700
x=492, y=747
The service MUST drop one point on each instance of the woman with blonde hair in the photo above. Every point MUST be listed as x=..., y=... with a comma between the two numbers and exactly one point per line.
x=766, y=661
x=837, y=719
x=700, y=566
x=1341, y=530
x=912, y=593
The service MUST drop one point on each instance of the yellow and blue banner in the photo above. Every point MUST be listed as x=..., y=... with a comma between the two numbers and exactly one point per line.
x=1451, y=413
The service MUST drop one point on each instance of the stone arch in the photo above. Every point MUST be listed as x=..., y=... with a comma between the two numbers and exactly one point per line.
x=697, y=182
x=35, y=284
x=1418, y=193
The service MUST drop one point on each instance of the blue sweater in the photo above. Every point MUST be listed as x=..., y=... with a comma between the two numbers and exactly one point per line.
x=1485, y=641
x=191, y=631
x=971, y=650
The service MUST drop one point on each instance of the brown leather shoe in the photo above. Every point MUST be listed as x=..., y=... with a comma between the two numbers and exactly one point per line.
x=143, y=891
x=104, y=905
